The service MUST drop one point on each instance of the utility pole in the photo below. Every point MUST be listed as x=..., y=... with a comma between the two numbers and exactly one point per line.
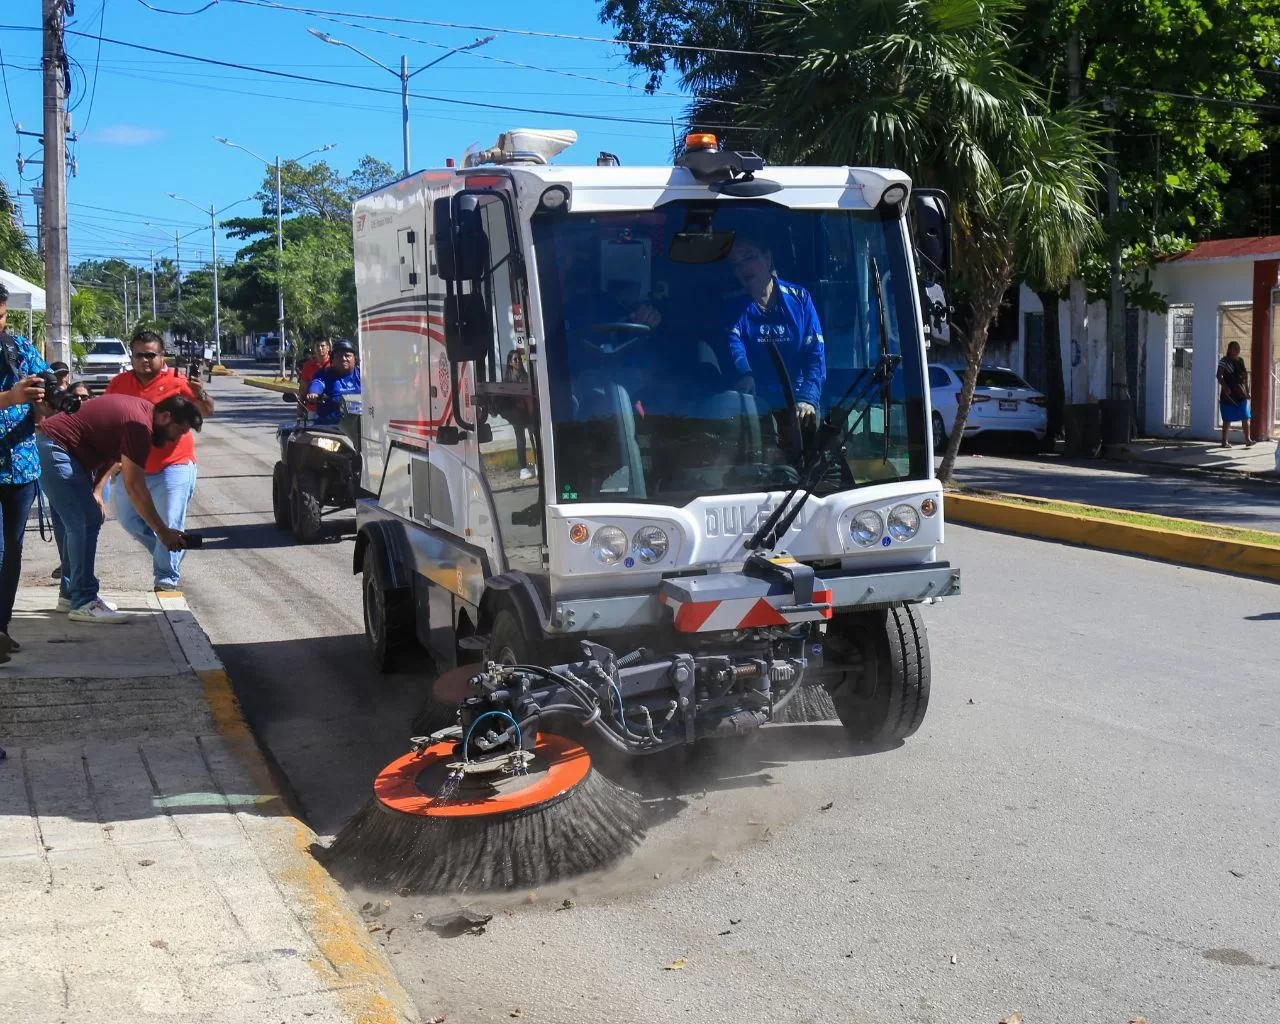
x=137, y=293
x=217, y=327
x=153, y=285
x=1077, y=297
x=1117, y=356
x=125, y=279
x=404, y=108
x=177, y=261
x=57, y=282
x=279, y=267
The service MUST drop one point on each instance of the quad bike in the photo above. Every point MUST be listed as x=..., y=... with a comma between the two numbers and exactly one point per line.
x=319, y=469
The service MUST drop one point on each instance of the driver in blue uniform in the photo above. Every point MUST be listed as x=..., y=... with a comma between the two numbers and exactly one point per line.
x=327, y=388
x=784, y=314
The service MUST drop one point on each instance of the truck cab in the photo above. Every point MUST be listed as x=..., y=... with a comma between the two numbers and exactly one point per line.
x=681, y=409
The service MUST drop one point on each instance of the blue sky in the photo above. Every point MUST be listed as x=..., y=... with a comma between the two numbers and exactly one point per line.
x=152, y=121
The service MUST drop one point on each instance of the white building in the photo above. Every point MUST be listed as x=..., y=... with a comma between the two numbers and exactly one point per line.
x=1217, y=293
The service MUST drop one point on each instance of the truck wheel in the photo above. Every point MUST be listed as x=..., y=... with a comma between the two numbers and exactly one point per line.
x=305, y=507
x=883, y=691
x=280, y=497
x=388, y=613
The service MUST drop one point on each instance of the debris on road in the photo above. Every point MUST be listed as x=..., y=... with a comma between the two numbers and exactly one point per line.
x=1013, y=1018
x=517, y=1012
x=567, y=904
x=954, y=959
x=827, y=807
x=727, y=931
x=146, y=862
x=1238, y=874
x=459, y=922
x=735, y=920
x=676, y=965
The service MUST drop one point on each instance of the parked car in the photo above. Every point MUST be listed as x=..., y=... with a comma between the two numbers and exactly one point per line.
x=105, y=358
x=266, y=349
x=1002, y=403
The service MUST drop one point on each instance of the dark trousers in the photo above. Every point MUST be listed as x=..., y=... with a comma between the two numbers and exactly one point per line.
x=15, y=506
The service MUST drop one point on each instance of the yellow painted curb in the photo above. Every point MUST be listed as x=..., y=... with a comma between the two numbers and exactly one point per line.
x=368, y=991
x=1242, y=557
x=270, y=385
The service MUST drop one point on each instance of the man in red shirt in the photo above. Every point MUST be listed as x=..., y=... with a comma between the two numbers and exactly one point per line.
x=315, y=362
x=171, y=469
x=76, y=451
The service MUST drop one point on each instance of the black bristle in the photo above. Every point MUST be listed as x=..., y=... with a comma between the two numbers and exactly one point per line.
x=588, y=828
x=811, y=704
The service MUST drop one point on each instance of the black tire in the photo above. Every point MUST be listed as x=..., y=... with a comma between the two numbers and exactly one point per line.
x=939, y=433
x=305, y=507
x=280, y=498
x=883, y=692
x=388, y=613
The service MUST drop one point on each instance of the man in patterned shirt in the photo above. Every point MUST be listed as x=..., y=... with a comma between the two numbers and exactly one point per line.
x=20, y=390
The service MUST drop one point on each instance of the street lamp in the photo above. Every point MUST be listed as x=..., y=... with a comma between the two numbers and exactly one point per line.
x=279, y=231
x=403, y=74
x=213, y=235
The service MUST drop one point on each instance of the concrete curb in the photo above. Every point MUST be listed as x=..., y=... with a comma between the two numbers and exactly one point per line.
x=270, y=385
x=372, y=994
x=1239, y=557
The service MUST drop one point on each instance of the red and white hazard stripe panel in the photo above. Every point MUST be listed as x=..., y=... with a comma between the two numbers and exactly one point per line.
x=744, y=613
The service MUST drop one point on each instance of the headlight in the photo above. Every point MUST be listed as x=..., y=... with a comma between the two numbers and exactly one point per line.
x=609, y=544
x=904, y=522
x=651, y=544
x=328, y=444
x=867, y=528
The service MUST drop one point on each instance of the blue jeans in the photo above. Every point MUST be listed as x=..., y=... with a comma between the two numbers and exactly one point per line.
x=77, y=520
x=171, y=490
x=15, y=506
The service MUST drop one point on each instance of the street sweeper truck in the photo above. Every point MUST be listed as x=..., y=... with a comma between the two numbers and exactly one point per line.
x=651, y=460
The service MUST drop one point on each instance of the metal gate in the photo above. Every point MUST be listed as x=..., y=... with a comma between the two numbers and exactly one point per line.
x=1180, y=352
x=1035, y=370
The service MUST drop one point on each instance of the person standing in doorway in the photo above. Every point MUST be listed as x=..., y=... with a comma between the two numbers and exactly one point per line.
x=171, y=468
x=1233, y=394
x=20, y=390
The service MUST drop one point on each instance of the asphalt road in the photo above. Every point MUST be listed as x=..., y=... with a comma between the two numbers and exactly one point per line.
x=1255, y=505
x=1085, y=828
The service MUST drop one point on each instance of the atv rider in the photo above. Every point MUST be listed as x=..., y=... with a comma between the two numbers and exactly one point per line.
x=328, y=387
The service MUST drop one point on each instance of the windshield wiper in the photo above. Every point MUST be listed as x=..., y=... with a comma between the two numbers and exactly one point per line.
x=779, y=522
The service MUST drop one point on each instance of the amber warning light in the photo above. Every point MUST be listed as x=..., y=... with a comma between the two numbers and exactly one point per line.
x=700, y=140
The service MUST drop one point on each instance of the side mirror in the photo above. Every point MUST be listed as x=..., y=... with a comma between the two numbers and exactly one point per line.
x=468, y=327
x=290, y=397
x=932, y=223
x=462, y=248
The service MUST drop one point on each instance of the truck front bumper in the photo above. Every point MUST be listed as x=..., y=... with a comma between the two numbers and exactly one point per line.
x=849, y=592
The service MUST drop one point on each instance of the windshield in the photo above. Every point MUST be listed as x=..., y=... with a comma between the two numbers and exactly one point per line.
x=1000, y=379
x=107, y=348
x=691, y=349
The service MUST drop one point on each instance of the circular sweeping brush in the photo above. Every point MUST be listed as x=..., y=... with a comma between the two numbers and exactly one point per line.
x=436, y=824
x=811, y=704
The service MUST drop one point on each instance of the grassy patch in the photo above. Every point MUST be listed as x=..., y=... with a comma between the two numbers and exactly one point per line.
x=1116, y=515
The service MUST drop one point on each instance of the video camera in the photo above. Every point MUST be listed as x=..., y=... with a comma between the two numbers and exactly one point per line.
x=55, y=397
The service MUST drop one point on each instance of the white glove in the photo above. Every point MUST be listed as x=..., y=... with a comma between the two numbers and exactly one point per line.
x=806, y=412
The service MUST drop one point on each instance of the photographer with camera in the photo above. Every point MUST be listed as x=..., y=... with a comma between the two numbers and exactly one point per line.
x=171, y=470
x=77, y=450
x=21, y=389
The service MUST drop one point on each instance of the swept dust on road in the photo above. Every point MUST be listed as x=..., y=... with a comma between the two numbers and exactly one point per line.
x=1069, y=837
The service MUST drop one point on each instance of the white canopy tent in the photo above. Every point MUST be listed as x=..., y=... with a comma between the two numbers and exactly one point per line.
x=23, y=295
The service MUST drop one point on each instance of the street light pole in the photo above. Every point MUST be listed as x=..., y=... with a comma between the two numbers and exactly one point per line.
x=404, y=74
x=279, y=232
x=153, y=285
x=217, y=326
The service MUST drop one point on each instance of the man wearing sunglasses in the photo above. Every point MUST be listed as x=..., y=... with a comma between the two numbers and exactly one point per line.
x=171, y=469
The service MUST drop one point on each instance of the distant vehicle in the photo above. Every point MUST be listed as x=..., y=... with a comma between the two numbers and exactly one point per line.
x=266, y=349
x=1002, y=403
x=105, y=358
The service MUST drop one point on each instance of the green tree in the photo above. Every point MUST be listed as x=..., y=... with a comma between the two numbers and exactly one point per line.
x=16, y=254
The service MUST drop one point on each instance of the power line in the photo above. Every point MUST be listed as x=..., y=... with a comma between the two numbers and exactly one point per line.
x=97, y=61
x=7, y=102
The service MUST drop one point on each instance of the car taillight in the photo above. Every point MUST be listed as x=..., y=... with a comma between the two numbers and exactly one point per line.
x=1039, y=400
x=981, y=398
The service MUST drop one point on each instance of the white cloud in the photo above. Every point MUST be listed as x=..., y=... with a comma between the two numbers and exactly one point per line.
x=124, y=135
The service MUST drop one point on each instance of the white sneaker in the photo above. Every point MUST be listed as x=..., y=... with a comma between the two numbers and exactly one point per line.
x=97, y=612
x=526, y=473
x=64, y=604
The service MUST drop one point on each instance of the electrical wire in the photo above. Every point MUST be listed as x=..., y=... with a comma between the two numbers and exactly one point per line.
x=97, y=61
x=7, y=102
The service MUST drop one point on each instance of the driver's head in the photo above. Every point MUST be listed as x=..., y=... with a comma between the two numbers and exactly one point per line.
x=343, y=356
x=751, y=262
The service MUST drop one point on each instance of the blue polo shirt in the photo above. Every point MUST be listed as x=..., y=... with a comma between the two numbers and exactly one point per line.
x=791, y=322
x=19, y=458
x=331, y=384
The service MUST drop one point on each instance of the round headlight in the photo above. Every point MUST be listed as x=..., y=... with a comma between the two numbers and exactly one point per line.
x=651, y=544
x=609, y=544
x=867, y=528
x=904, y=522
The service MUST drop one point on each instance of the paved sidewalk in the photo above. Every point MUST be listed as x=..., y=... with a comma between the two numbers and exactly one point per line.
x=149, y=871
x=1204, y=455
x=1226, y=502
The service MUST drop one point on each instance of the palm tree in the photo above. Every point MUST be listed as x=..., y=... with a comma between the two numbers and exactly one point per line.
x=928, y=86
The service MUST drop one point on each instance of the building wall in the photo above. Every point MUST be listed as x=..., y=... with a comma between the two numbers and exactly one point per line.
x=1204, y=287
x=1084, y=364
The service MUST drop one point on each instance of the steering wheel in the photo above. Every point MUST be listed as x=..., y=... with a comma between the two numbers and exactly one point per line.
x=616, y=327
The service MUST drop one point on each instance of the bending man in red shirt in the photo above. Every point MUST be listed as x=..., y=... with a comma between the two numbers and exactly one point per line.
x=76, y=450
x=171, y=469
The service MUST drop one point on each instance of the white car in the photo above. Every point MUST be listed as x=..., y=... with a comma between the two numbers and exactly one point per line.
x=1002, y=402
x=106, y=358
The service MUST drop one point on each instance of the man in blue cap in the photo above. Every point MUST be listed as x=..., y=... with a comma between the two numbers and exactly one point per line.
x=327, y=388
